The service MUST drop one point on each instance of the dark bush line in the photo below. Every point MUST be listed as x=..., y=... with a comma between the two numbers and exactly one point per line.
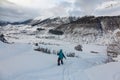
x=47, y=51
x=56, y=32
x=40, y=29
x=44, y=50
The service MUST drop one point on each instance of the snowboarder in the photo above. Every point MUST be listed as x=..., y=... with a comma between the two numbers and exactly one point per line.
x=60, y=57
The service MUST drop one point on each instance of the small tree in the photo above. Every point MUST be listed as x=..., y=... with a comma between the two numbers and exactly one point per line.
x=71, y=55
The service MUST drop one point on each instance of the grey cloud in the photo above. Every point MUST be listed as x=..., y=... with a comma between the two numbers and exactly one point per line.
x=76, y=13
x=13, y=13
x=108, y=12
x=88, y=6
x=1, y=1
x=61, y=9
x=65, y=4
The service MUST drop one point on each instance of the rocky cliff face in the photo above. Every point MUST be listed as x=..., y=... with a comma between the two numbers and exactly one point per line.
x=91, y=29
x=110, y=23
x=103, y=24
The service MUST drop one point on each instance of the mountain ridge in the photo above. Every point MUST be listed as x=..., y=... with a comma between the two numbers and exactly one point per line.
x=87, y=29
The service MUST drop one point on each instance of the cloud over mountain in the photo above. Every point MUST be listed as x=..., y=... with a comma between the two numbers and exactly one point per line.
x=19, y=10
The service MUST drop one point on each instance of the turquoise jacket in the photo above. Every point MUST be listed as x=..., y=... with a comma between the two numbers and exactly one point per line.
x=61, y=55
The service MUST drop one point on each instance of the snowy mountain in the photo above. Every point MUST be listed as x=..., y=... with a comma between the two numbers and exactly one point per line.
x=4, y=23
x=88, y=29
x=52, y=21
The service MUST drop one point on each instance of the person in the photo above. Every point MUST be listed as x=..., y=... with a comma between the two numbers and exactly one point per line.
x=60, y=57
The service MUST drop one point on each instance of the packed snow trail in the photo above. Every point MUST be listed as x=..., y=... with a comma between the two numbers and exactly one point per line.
x=66, y=73
x=74, y=69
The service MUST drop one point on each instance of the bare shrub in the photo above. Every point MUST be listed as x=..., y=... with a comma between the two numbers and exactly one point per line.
x=78, y=48
x=71, y=55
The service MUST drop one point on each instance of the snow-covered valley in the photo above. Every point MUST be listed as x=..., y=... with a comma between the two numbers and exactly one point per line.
x=20, y=61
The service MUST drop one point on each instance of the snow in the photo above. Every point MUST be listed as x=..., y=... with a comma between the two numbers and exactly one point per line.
x=110, y=71
x=20, y=62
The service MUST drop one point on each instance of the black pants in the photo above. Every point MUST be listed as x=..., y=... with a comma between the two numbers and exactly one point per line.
x=60, y=61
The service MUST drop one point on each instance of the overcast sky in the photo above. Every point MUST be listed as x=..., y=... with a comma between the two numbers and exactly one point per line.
x=20, y=10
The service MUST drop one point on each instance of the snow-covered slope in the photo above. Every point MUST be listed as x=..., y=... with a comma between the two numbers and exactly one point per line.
x=110, y=71
x=20, y=62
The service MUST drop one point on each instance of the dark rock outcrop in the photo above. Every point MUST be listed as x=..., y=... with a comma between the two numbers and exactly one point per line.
x=2, y=38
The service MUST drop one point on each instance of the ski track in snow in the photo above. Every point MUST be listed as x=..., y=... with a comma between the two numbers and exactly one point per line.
x=72, y=70
x=66, y=71
x=116, y=76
